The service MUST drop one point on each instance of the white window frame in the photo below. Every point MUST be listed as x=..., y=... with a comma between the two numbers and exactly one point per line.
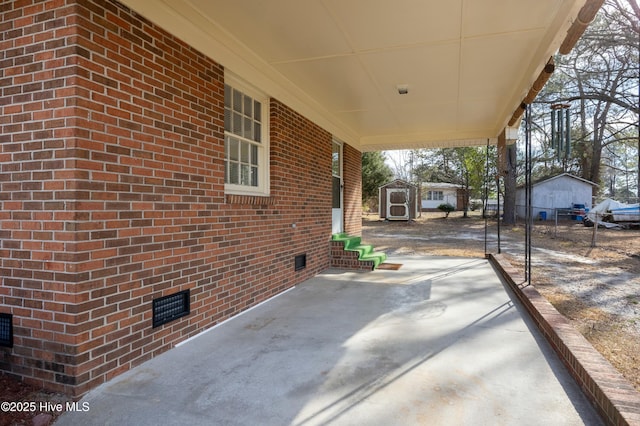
x=263, y=188
x=431, y=195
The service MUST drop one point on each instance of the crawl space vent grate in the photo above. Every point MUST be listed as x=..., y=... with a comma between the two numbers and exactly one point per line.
x=169, y=308
x=301, y=262
x=6, y=330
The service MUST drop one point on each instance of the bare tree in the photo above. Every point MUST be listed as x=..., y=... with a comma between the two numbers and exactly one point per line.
x=599, y=79
x=402, y=163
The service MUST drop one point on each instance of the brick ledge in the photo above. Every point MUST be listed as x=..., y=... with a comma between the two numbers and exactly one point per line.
x=343, y=259
x=615, y=399
x=254, y=200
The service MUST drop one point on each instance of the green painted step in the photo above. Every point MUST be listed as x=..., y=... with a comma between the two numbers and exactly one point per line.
x=365, y=251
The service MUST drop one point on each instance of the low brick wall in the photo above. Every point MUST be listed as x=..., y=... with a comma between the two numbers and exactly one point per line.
x=617, y=401
x=343, y=259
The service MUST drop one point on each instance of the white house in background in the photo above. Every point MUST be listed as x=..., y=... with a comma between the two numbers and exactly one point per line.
x=558, y=192
x=436, y=193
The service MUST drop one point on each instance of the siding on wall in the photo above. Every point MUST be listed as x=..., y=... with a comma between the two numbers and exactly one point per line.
x=556, y=193
x=450, y=196
x=112, y=194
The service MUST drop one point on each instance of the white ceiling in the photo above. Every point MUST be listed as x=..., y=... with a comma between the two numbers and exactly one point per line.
x=467, y=63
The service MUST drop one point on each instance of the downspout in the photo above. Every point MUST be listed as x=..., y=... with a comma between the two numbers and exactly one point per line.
x=533, y=92
x=585, y=17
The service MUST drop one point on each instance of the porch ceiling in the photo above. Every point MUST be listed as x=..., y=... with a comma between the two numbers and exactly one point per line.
x=467, y=63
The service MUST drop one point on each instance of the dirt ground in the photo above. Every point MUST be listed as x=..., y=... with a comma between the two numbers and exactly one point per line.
x=597, y=288
x=37, y=401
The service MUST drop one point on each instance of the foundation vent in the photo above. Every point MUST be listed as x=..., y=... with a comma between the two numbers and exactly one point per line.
x=300, y=262
x=172, y=307
x=6, y=330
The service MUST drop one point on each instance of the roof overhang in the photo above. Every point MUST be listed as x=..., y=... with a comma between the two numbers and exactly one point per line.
x=466, y=65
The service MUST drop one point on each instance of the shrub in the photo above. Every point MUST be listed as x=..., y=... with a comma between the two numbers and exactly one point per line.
x=446, y=208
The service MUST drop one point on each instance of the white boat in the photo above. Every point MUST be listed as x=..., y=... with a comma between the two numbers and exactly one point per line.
x=627, y=214
x=611, y=214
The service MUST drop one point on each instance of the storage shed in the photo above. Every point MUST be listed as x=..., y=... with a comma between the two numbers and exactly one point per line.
x=398, y=200
x=559, y=192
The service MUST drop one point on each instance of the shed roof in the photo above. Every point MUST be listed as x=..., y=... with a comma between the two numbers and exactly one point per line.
x=399, y=182
x=441, y=185
x=565, y=175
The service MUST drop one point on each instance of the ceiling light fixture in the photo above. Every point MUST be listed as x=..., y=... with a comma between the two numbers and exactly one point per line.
x=403, y=89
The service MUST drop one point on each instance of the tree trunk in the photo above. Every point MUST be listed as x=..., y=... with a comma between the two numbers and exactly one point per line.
x=596, y=156
x=466, y=194
x=510, y=186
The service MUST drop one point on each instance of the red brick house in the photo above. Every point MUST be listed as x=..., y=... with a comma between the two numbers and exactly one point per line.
x=146, y=152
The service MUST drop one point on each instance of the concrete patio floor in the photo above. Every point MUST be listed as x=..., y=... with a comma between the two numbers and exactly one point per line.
x=441, y=341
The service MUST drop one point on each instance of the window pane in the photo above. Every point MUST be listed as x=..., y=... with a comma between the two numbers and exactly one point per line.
x=236, y=126
x=257, y=132
x=335, y=193
x=227, y=120
x=233, y=172
x=233, y=149
x=245, y=178
x=248, y=110
x=248, y=128
x=257, y=111
x=254, y=155
x=254, y=176
x=244, y=152
x=237, y=101
x=335, y=159
x=227, y=96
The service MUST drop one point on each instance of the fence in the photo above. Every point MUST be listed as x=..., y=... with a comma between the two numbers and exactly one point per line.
x=573, y=225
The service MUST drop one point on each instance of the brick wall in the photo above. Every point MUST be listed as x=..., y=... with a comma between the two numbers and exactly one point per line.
x=352, y=190
x=344, y=259
x=111, y=193
x=41, y=188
